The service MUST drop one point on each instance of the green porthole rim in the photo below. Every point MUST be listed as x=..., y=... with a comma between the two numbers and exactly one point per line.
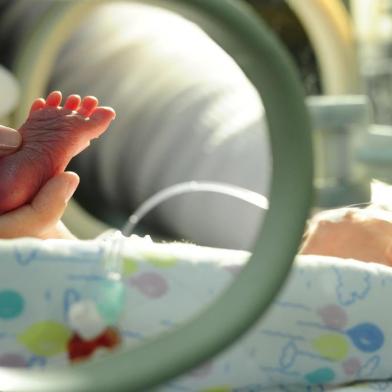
x=274, y=76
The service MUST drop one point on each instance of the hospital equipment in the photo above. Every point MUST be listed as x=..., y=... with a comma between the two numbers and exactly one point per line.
x=170, y=354
x=338, y=79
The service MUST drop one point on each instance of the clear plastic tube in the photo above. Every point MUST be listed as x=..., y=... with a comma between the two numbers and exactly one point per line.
x=246, y=195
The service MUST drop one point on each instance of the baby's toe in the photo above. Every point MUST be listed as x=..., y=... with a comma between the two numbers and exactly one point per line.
x=102, y=114
x=88, y=106
x=38, y=104
x=53, y=99
x=72, y=102
x=100, y=120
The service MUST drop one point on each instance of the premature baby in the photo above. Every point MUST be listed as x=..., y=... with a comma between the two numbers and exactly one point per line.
x=32, y=173
x=312, y=336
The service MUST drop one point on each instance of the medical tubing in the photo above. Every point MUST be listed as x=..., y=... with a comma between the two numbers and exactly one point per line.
x=192, y=187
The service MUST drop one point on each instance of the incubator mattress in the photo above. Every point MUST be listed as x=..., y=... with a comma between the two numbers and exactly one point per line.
x=329, y=326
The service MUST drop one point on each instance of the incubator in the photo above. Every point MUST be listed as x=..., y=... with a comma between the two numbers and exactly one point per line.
x=186, y=79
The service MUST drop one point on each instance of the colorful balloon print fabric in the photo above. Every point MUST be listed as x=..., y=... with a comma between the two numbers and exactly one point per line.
x=330, y=324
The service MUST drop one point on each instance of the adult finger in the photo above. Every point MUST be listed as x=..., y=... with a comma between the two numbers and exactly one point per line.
x=44, y=212
x=10, y=140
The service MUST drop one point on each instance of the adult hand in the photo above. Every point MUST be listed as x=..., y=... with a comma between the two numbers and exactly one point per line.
x=10, y=140
x=42, y=217
x=361, y=234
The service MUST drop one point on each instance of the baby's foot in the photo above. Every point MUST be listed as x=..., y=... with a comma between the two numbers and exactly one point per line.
x=52, y=135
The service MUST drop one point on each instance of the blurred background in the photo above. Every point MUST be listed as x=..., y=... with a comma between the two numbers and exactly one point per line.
x=186, y=111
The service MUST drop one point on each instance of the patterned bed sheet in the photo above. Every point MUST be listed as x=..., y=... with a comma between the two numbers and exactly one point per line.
x=329, y=326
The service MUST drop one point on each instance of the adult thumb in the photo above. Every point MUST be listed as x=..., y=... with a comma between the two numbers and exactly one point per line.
x=10, y=140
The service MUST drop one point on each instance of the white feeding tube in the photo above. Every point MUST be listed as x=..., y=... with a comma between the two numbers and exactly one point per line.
x=246, y=195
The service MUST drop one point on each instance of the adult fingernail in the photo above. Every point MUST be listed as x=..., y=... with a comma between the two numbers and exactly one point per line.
x=73, y=183
x=9, y=138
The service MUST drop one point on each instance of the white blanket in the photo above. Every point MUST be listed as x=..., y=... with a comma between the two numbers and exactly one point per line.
x=329, y=326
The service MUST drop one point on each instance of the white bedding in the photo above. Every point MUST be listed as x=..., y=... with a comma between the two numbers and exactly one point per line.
x=330, y=325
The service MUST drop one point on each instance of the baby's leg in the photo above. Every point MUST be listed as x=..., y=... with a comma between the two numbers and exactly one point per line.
x=52, y=135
